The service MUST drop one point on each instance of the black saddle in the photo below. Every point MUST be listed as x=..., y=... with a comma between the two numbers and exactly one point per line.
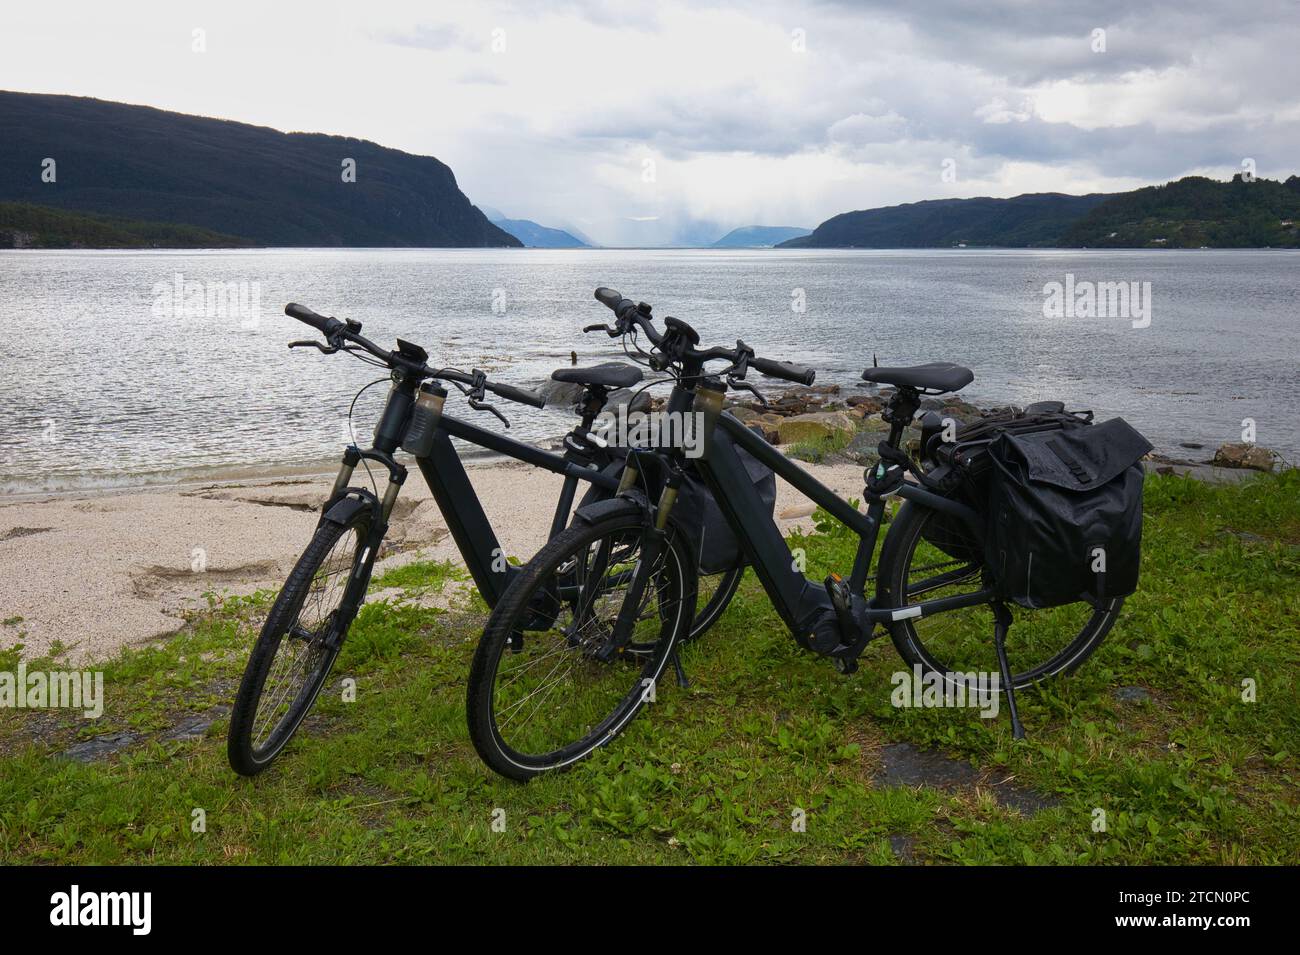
x=612, y=374
x=937, y=376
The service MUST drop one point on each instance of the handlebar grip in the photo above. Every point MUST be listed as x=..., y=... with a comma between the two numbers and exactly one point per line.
x=608, y=297
x=521, y=395
x=326, y=326
x=783, y=369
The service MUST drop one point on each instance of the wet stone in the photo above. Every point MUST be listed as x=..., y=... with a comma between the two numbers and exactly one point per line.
x=196, y=726
x=99, y=747
x=1131, y=694
x=904, y=849
x=903, y=764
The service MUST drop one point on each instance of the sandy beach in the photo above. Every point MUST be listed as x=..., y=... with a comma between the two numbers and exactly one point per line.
x=98, y=572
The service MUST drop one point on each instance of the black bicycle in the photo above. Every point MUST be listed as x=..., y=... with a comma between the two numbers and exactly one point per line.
x=307, y=623
x=577, y=681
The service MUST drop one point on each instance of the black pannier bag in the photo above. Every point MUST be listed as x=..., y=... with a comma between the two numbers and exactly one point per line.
x=716, y=547
x=1065, y=514
x=962, y=466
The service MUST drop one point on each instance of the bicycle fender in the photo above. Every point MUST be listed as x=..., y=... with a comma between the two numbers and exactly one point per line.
x=343, y=510
x=610, y=507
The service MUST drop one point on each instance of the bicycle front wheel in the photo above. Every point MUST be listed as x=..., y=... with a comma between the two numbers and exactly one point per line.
x=296, y=649
x=541, y=695
x=1040, y=643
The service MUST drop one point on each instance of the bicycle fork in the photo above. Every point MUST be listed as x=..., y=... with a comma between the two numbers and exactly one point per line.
x=341, y=507
x=654, y=542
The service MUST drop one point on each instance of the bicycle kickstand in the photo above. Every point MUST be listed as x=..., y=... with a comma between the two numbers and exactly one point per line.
x=677, y=668
x=1002, y=621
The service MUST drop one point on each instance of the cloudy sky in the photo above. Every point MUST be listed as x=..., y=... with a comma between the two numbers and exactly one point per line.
x=648, y=123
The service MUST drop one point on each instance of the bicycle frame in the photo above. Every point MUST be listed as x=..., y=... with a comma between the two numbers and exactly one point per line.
x=470, y=528
x=799, y=601
x=444, y=472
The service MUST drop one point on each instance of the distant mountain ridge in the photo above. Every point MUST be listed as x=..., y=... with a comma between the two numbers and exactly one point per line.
x=252, y=182
x=759, y=236
x=1189, y=213
x=1036, y=219
x=1194, y=212
x=535, y=236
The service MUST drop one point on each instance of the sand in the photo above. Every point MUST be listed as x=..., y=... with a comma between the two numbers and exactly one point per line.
x=99, y=572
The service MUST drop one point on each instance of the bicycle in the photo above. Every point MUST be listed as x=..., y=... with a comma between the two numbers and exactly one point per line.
x=918, y=585
x=309, y=619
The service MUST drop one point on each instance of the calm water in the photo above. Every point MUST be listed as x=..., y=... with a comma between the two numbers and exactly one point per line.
x=103, y=385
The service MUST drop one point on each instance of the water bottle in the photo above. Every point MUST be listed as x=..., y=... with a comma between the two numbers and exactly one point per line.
x=424, y=419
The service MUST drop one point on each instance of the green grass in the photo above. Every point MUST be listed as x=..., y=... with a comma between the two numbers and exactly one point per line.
x=818, y=450
x=420, y=576
x=713, y=774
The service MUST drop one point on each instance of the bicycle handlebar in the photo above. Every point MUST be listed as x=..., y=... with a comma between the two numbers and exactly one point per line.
x=521, y=395
x=629, y=313
x=337, y=332
x=783, y=369
x=326, y=326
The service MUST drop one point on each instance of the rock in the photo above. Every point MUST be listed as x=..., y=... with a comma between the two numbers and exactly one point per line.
x=862, y=448
x=815, y=426
x=902, y=764
x=560, y=394
x=195, y=726
x=640, y=401
x=1191, y=445
x=745, y=414
x=961, y=411
x=1242, y=455
x=795, y=511
x=99, y=747
x=865, y=404
x=1131, y=694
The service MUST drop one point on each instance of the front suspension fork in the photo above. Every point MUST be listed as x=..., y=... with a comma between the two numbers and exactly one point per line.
x=654, y=541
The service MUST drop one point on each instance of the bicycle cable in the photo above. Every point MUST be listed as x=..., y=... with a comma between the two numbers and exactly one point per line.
x=353, y=434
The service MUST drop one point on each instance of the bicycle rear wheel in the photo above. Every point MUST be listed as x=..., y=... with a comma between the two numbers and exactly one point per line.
x=1040, y=643
x=540, y=697
x=714, y=593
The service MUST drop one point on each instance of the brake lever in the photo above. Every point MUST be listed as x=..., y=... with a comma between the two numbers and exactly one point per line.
x=600, y=328
x=485, y=406
x=740, y=383
x=312, y=343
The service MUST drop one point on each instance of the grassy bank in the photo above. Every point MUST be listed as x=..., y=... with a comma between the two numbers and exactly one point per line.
x=1153, y=730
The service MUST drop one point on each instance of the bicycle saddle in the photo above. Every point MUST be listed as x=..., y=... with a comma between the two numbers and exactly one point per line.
x=612, y=374
x=937, y=376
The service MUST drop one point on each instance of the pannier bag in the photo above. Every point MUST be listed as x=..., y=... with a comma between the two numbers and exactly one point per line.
x=716, y=547
x=962, y=466
x=1065, y=514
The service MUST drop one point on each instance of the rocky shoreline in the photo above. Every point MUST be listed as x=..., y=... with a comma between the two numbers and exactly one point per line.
x=821, y=424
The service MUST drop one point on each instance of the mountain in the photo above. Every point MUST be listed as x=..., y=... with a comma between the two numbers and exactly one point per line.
x=1189, y=213
x=1195, y=212
x=25, y=226
x=259, y=184
x=535, y=236
x=1038, y=219
x=759, y=236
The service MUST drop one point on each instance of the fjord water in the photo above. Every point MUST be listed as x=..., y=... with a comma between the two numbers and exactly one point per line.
x=108, y=382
